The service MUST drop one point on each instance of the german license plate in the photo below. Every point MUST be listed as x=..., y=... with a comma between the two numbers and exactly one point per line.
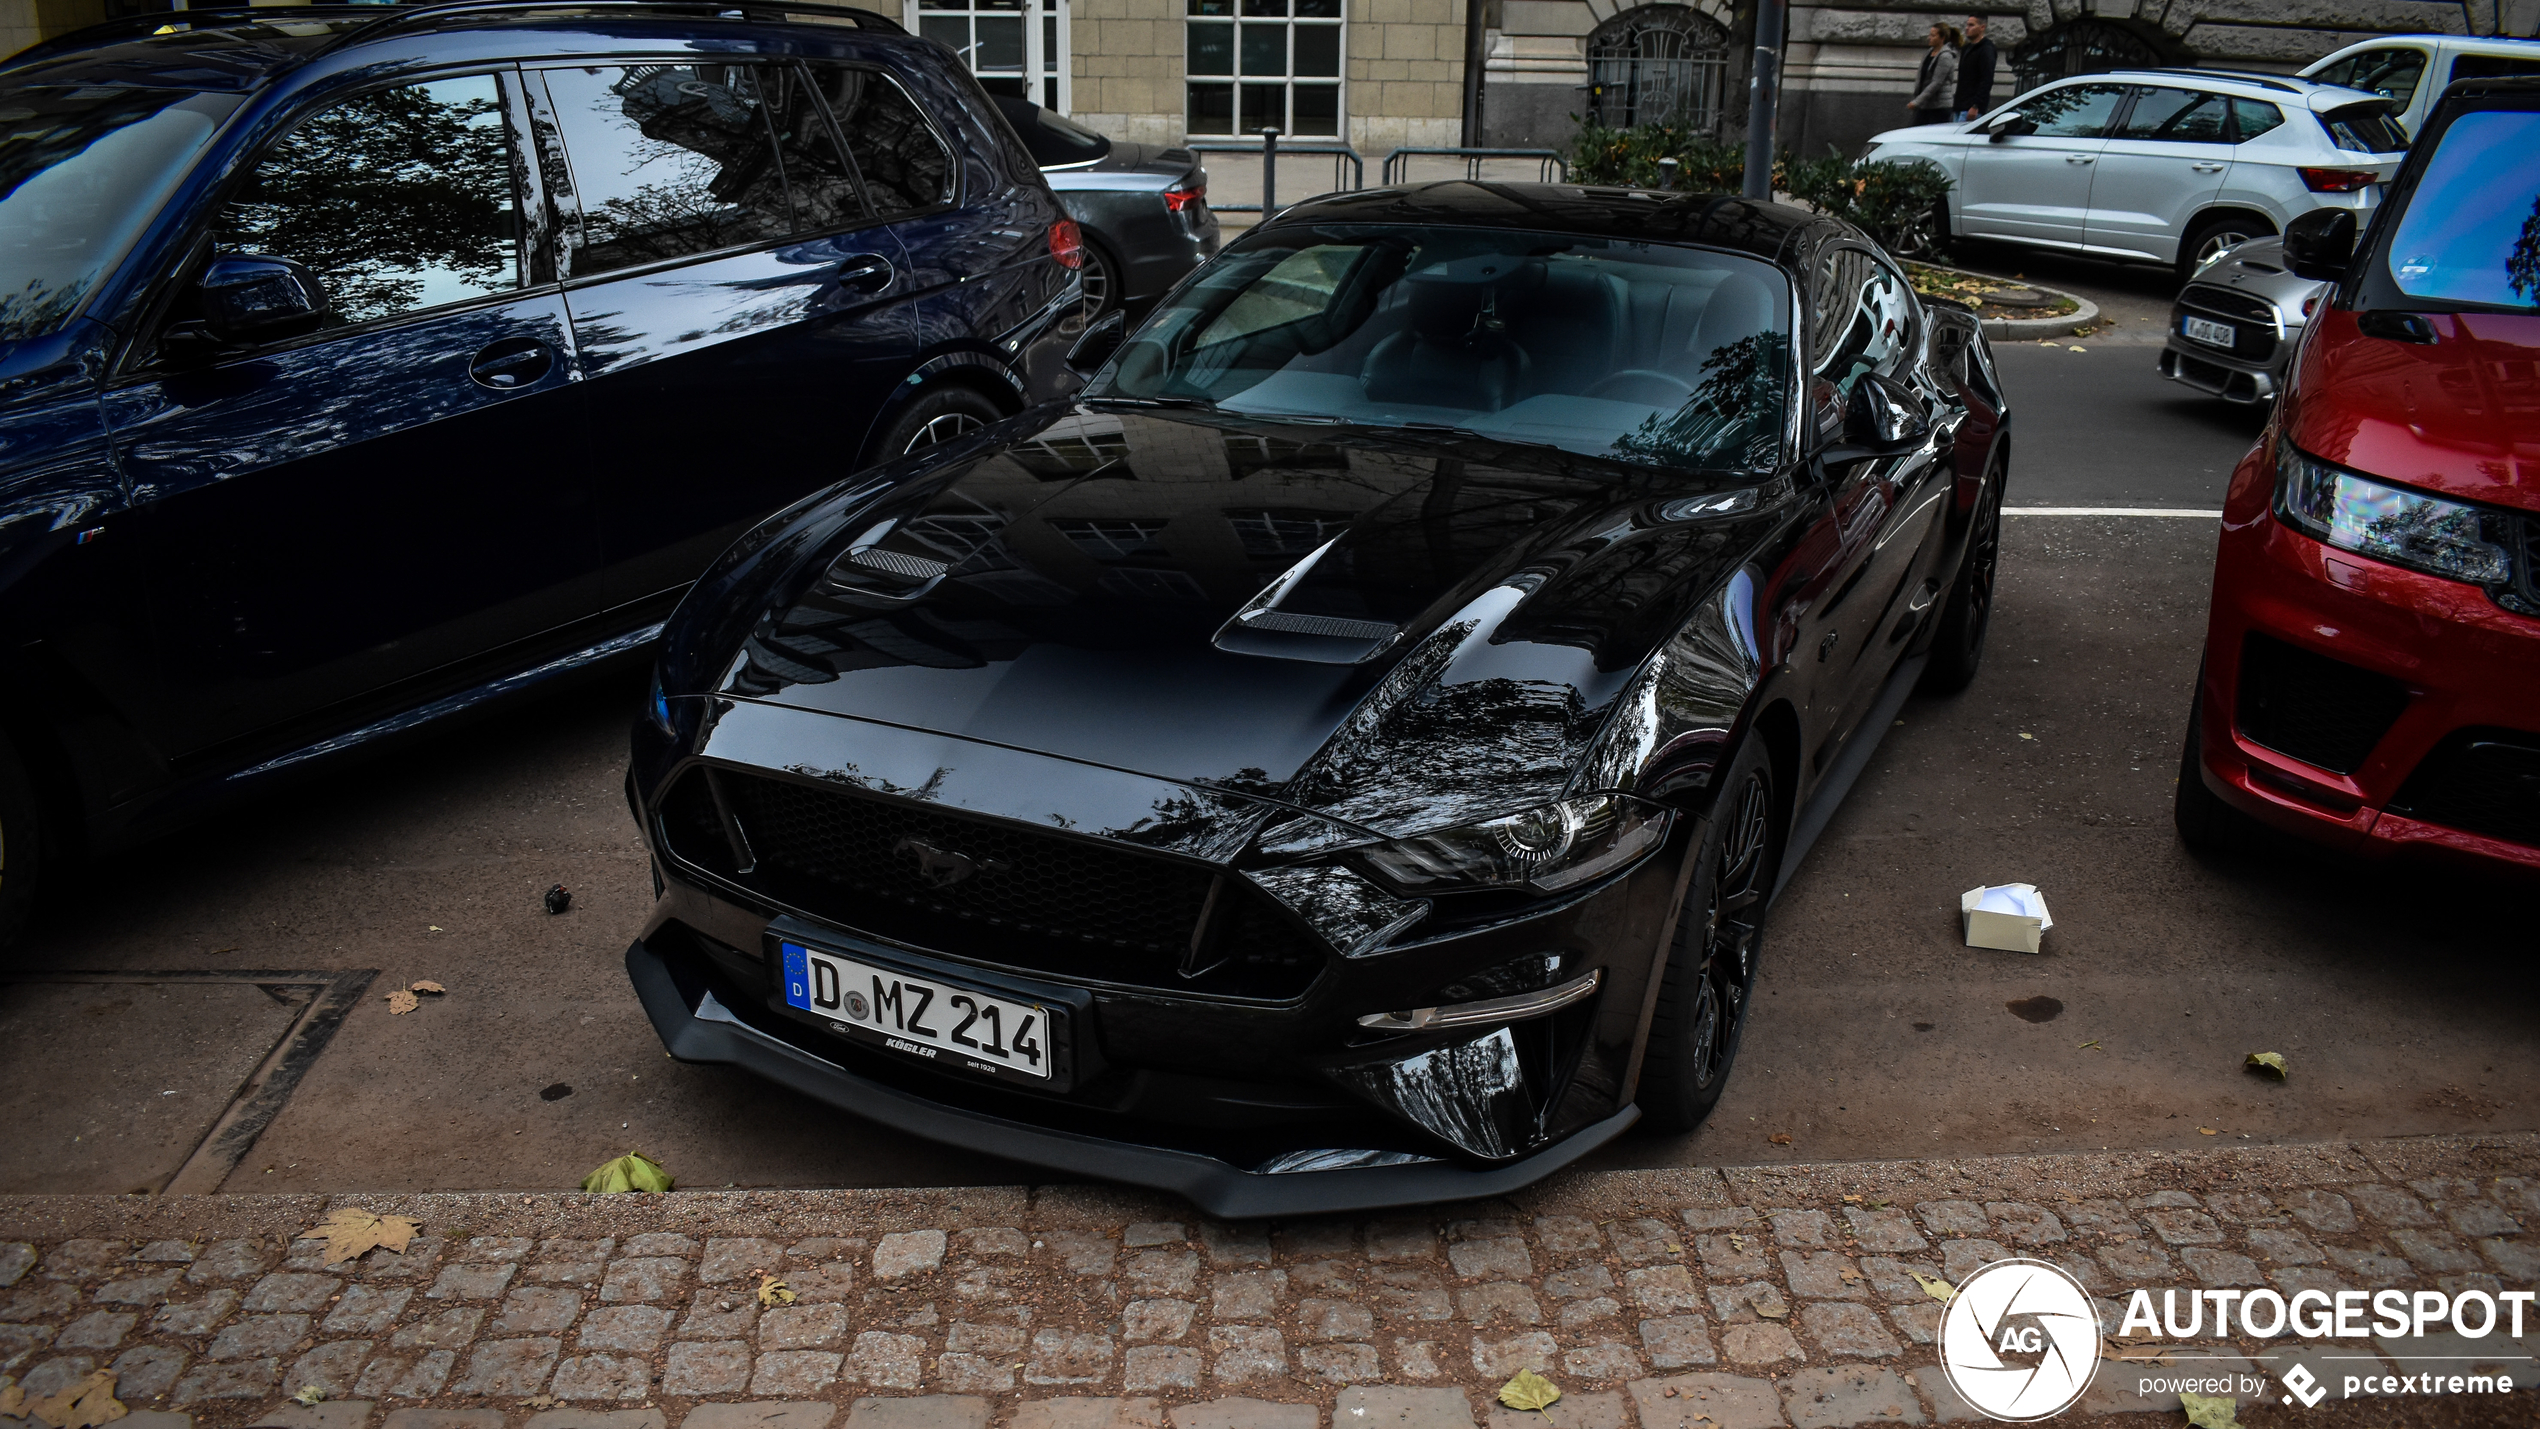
x=920, y=1016
x=2212, y=333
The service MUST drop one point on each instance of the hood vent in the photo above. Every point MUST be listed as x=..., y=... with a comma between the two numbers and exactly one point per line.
x=1332, y=626
x=1261, y=628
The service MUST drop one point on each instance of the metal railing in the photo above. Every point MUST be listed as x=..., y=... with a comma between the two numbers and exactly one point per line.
x=1551, y=167
x=1270, y=149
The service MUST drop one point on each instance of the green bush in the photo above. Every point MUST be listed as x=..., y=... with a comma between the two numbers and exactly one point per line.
x=1893, y=201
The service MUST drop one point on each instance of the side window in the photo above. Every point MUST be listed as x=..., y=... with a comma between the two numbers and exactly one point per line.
x=669, y=160
x=399, y=200
x=2392, y=73
x=826, y=194
x=2254, y=117
x=905, y=166
x=2493, y=66
x=2180, y=116
x=2079, y=111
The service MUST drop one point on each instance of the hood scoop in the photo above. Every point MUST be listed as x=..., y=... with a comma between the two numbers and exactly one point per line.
x=1263, y=628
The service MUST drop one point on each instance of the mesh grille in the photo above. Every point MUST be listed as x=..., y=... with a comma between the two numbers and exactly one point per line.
x=2481, y=782
x=987, y=891
x=2252, y=319
x=2321, y=711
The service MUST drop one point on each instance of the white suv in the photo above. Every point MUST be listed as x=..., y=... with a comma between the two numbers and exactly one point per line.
x=2173, y=166
x=2411, y=70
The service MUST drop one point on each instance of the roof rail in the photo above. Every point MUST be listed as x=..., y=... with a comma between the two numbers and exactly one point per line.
x=384, y=20
x=2260, y=78
x=407, y=17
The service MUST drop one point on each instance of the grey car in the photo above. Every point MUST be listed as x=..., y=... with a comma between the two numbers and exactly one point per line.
x=2234, y=327
x=1143, y=207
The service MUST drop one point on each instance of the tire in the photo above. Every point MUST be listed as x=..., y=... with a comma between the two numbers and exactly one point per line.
x=2213, y=236
x=2205, y=823
x=1719, y=940
x=23, y=841
x=1957, y=647
x=935, y=415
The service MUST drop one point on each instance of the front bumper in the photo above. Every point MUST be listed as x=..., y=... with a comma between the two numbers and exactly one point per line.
x=696, y=1027
x=2454, y=665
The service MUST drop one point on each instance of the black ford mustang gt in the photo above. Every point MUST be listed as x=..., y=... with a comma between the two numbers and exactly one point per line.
x=1346, y=758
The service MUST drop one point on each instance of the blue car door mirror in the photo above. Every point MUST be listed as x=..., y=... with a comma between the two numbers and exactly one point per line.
x=253, y=298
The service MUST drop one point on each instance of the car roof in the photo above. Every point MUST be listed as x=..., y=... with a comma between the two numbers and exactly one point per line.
x=238, y=47
x=2311, y=94
x=2502, y=43
x=1770, y=231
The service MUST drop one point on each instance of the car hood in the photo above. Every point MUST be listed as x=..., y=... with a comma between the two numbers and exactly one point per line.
x=1452, y=624
x=2257, y=268
x=2459, y=415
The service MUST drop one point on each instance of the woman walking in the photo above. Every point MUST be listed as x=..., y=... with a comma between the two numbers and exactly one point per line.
x=1938, y=78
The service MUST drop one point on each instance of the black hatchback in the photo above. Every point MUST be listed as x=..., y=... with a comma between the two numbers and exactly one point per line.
x=358, y=365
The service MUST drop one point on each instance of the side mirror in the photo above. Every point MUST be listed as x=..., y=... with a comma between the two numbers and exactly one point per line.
x=1097, y=345
x=1880, y=419
x=2320, y=245
x=2010, y=126
x=252, y=298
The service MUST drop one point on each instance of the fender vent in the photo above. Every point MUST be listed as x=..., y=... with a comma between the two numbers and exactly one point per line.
x=1331, y=625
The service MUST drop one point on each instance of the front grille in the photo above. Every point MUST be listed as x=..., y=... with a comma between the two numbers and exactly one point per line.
x=984, y=890
x=2481, y=782
x=2318, y=710
x=2253, y=319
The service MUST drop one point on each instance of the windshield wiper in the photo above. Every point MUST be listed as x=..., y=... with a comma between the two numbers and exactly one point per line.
x=1195, y=403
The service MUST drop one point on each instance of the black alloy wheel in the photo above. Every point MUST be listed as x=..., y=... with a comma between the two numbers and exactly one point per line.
x=1957, y=647
x=1101, y=282
x=934, y=416
x=1719, y=940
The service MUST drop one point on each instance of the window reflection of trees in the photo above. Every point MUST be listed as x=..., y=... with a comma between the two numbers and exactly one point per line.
x=2522, y=266
x=673, y=160
x=395, y=199
x=1734, y=419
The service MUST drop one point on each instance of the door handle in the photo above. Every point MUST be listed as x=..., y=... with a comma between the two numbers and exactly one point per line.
x=511, y=364
x=2207, y=168
x=2079, y=158
x=865, y=270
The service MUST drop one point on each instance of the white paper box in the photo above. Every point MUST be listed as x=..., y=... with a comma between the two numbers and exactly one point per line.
x=2000, y=925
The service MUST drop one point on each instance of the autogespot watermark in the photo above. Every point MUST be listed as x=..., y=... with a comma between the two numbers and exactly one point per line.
x=2020, y=1342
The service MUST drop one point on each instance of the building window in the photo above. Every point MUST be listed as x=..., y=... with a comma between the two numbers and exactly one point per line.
x=995, y=42
x=1265, y=64
x=2094, y=46
x=1660, y=64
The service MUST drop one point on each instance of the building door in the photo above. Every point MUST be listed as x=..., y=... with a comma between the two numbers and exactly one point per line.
x=1017, y=47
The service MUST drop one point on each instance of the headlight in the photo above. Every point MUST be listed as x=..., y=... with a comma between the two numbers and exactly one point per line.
x=1546, y=848
x=2389, y=523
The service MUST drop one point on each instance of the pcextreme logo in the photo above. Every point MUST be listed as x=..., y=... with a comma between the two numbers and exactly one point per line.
x=2019, y=1340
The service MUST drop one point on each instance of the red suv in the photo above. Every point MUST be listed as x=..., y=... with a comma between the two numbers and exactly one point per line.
x=2372, y=667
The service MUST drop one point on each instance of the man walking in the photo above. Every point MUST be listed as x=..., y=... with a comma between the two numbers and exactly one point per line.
x=1975, y=72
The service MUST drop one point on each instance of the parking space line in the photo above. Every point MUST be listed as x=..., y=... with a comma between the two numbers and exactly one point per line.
x=2210, y=515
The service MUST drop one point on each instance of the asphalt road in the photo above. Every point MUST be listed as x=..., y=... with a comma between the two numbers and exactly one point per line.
x=2403, y=1004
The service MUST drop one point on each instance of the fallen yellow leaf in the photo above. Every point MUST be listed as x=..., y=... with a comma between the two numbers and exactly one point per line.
x=2210, y=1411
x=773, y=1292
x=351, y=1231
x=12, y=1402
x=1779, y=1138
x=1529, y=1390
x=2271, y=1063
x=426, y=985
x=1935, y=1287
x=2208, y=1131
x=630, y=1172
x=402, y=1002
x=84, y=1405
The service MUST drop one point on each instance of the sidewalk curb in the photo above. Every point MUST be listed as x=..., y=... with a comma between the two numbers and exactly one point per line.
x=2062, y=326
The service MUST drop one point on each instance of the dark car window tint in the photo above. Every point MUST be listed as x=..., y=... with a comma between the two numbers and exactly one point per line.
x=2393, y=73
x=2080, y=111
x=2468, y=235
x=2254, y=117
x=826, y=195
x=1052, y=139
x=669, y=160
x=905, y=165
x=2365, y=129
x=2184, y=116
x=2494, y=66
x=81, y=170
x=399, y=199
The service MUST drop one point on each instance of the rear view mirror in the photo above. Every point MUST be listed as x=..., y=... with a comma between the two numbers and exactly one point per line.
x=1097, y=345
x=2320, y=245
x=252, y=298
x=1880, y=419
x=2010, y=126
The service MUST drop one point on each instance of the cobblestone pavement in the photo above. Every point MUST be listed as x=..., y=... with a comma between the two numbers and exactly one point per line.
x=1753, y=1296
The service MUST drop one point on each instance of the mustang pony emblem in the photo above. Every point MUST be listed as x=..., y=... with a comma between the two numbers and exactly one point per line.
x=943, y=868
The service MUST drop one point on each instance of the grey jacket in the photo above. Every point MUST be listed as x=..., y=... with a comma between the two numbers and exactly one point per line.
x=1938, y=80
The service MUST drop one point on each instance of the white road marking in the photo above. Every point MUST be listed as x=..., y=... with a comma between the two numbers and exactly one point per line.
x=2214, y=515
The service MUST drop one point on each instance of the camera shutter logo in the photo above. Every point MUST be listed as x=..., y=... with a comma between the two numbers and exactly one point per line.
x=2020, y=1341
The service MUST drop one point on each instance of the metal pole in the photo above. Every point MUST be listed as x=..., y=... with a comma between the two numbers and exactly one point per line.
x=1763, y=97
x=1476, y=48
x=1667, y=174
x=1269, y=172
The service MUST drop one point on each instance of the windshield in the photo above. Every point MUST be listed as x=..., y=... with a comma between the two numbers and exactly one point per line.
x=2471, y=232
x=1641, y=352
x=81, y=171
x=1053, y=138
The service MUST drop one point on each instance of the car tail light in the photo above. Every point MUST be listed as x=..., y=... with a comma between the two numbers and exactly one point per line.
x=1186, y=193
x=2338, y=181
x=1067, y=243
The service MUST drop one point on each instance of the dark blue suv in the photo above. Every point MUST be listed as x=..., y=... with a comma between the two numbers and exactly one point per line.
x=358, y=365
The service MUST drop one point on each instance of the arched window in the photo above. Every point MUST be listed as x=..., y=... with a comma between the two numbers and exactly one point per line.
x=1659, y=64
x=2091, y=46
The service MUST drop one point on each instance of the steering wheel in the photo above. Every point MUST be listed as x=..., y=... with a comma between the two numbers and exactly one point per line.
x=1623, y=385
